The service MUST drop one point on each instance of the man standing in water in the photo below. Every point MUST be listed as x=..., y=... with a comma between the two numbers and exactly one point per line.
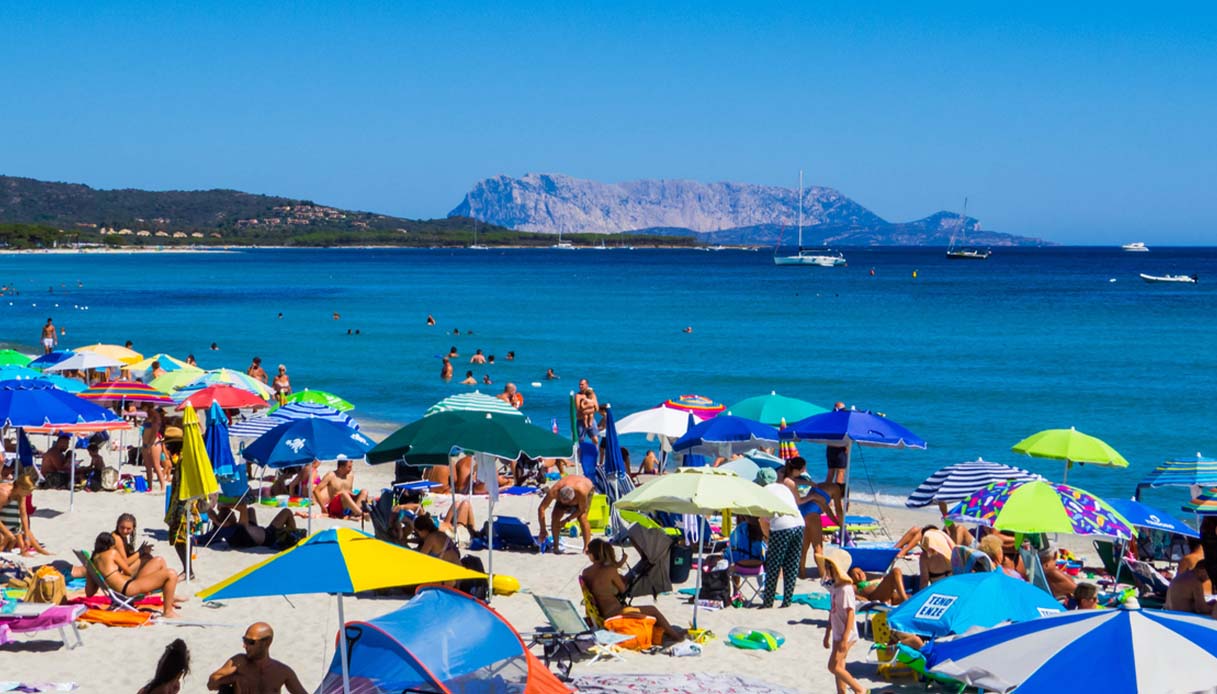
x=49, y=337
x=254, y=670
x=256, y=371
x=586, y=406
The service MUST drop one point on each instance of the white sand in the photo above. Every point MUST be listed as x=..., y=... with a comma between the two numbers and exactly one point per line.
x=122, y=659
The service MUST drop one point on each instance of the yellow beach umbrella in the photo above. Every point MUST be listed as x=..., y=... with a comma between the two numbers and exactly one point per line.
x=195, y=478
x=168, y=363
x=118, y=352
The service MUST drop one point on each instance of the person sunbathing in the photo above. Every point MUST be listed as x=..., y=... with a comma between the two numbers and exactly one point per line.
x=1194, y=556
x=935, y=563
x=404, y=514
x=435, y=543
x=607, y=586
x=1061, y=583
x=1187, y=592
x=993, y=547
x=888, y=590
x=151, y=574
x=238, y=526
x=337, y=494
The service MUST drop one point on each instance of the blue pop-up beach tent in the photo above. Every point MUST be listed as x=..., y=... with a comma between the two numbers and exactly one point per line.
x=442, y=640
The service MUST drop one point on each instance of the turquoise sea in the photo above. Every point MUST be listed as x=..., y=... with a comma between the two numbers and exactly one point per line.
x=971, y=355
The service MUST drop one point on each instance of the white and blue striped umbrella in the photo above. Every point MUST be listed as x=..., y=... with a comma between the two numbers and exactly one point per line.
x=961, y=480
x=1110, y=651
x=256, y=426
x=472, y=402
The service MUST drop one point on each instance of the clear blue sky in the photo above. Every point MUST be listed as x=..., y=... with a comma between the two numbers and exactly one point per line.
x=1079, y=123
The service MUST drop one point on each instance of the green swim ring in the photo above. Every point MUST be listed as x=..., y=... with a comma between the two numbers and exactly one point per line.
x=755, y=639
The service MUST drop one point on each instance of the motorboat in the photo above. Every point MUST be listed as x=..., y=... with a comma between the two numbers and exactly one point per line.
x=1135, y=247
x=1178, y=279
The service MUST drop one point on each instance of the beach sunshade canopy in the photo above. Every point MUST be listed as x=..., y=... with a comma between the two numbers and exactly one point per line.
x=319, y=397
x=337, y=561
x=125, y=391
x=44, y=360
x=1144, y=516
x=774, y=409
x=63, y=383
x=742, y=466
x=958, y=603
x=1071, y=446
x=302, y=441
x=229, y=397
x=256, y=426
x=1203, y=505
x=116, y=352
x=472, y=402
x=961, y=480
x=1042, y=507
x=85, y=361
x=168, y=363
x=703, y=491
x=723, y=435
x=198, y=480
x=11, y=357
x=657, y=421
x=697, y=405
x=35, y=403
x=430, y=440
x=230, y=377
x=219, y=450
x=1184, y=471
x=841, y=427
x=1110, y=651
x=463, y=639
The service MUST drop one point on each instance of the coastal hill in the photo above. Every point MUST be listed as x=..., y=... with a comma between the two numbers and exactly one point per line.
x=729, y=213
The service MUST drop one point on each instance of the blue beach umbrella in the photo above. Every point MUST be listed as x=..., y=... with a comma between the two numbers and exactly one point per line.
x=961, y=480
x=956, y=604
x=617, y=481
x=219, y=450
x=302, y=441
x=742, y=466
x=1145, y=516
x=762, y=459
x=256, y=426
x=50, y=359
x=841, y=427
x=724, y=435
x=12, y=371
x=37, y=403
x=1114, y=651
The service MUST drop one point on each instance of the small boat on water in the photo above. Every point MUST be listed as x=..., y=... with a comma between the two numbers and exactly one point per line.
x=965, y=252
x=816, y=257
x=1135, y=247
x=1178, y=279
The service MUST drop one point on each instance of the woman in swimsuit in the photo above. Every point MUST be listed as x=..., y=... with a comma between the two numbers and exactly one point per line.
x=128, y=554
x=936, y=549
x=604, y=581
x=149, y=576
x=153, y=447
x=15, y=533
x=812, y=505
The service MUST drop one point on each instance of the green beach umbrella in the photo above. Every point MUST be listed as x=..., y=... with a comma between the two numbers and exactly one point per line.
x=319, y=397
x=430, y=440
x=473, y=402
x=173, y=380
x=772, y=409
x=11, y=357
x=1071, y=446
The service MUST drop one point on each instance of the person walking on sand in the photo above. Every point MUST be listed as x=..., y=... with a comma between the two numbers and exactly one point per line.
x=49, y=337
x=337, y=494
x=571, y=498
x=254, y=671
x=842, y=630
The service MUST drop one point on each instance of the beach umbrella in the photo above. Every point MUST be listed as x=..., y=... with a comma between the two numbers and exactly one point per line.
x=195, y=477
x=229, y=397
x=961, y=480
x=774, y=409
x=168, y=363
x=703, y=491
x=1071, y=446
x=84, y=361
x=697, y=405
x=230, y=377
x=11, y=357
x=35, y=403
x=742, y=466
x=124, y=392
x=1144, y=516
x=219, y=450
x=301, y=441
x=115, y=352
x=430, y=440
x=319, y=397
x=763, y=459
x=724, y=435
x=1041, y=507
x=661, y=421
x=175, y=380
x=337, y=561
x=45, y=360
x=1203, y=505
x=617, y=480
x=69, y=385
x=1183, y=471
x=473, y=402
x=959, y=603
x=1112, y=651
x=12, y=371
x=256, y=426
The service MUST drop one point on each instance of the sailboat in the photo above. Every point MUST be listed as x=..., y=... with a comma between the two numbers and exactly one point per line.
x=816, y=257
x=475, y=246
x=563, y=245
x=965, y=252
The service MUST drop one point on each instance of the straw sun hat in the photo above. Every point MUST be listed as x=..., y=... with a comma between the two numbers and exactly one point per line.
x=838, y=558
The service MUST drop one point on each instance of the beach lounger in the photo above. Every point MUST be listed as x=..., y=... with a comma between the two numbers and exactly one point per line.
x=118, y=601
x=1150, y=584
x=1035, y=570
x=966, y=560
x=32, y=617
x=568, y=635
x=646, y=522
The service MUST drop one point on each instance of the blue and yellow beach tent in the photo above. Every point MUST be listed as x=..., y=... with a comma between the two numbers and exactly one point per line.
x=442, y=640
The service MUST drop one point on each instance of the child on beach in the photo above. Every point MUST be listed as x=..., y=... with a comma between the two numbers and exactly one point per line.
x=842, y=631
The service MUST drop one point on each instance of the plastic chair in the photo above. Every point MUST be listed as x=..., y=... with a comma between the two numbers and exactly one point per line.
x=589, y=606
x=562, y=642
x=884, y=647
x=598, y=516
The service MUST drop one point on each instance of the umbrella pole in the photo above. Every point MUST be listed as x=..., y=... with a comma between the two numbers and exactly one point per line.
x=342, y=648
x=310, y=514
x=188, y=552
x=489, y=551
x=701, y=559
x=71, y=483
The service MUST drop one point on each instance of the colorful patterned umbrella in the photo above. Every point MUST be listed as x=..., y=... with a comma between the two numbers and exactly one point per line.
x=1183, y=471
x=168, y=363
x=959, y=481
x=1205, y=504
x=175, y=380
x=788, y=450
x=1042, y=507
x=125, y=391
x=701, y=406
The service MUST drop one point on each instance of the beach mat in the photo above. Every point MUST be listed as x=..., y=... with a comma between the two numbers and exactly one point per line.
x=675, y=683
x=816, y=601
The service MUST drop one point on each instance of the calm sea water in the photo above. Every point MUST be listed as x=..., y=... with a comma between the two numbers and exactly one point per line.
x=971, y=355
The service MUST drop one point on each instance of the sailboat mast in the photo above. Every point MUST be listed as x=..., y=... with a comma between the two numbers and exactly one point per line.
x=800, y=208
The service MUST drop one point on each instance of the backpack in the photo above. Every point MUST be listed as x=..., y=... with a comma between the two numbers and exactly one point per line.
x=715, y=583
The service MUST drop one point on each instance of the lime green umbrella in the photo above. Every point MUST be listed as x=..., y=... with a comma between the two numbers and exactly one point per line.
x=318, y=397
x=1039, y=506
x=11, y=357
x=774, y=409
x=1071, y=446
x=170, y=382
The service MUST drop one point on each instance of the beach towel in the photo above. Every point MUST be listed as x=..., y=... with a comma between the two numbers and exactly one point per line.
x=675, y=683
x=38, y=686
x=101, y=602
x=111, y=618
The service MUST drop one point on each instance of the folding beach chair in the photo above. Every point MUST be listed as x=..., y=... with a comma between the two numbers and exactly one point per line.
x=31, y=617
x=646, y=522
x=118, y=601
x=567, y=635
x=1150, y=584
x=1035, y=570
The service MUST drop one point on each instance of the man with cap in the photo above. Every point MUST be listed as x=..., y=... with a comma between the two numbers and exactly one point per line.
x=571, y=497
x=336, y=493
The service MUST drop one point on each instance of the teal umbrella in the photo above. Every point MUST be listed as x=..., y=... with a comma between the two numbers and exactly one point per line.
x=774, y=409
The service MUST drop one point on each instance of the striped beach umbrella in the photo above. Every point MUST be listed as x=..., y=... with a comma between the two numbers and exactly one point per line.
x=229, y=377
x=174, y=380
x=256, y=426
x=1205, y=504
x=168, y=363
x=85, y=361
x=788, y=450
x=961, y=480
x=698, y=405
x=1184, y=471
x=125, y=391
x=472, y=402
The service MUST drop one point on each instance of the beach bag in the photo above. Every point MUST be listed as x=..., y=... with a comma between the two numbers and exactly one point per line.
x=632, y=622
x=48, y=587
x=109, y=479
x=715, y=582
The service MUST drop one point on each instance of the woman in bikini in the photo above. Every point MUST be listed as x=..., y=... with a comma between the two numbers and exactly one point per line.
x=936, y=549
x=604, y=581
x=149, y=576
x=812, y=505
x=153, y=448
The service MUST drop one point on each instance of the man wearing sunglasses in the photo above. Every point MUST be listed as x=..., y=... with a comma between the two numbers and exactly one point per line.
x=254, y=671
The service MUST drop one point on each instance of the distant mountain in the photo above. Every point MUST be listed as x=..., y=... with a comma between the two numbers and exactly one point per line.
x=729, y=213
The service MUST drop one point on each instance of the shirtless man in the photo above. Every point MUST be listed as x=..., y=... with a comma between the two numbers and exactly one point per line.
x=256, y=371
x=445, y=371
x=478, y=358
x=49, y=337
x=571, y=497
x=57, y=463
x=586, y=406
x=1188, y=592
x=337, y=495
x=254, y=671
x=511, y=396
